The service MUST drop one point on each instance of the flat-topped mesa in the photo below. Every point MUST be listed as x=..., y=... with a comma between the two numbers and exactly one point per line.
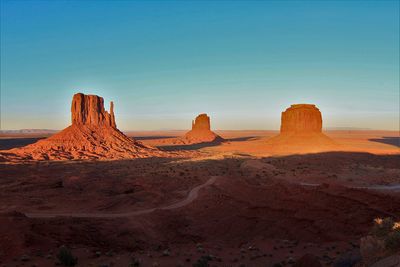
x=202, y=122
x=301, y=132
x=89, y=110
x=303, y=118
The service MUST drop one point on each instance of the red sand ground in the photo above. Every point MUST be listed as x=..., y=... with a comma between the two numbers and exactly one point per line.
x=262, y=207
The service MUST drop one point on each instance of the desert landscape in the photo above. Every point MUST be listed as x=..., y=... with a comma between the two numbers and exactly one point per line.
x=298, y=197
x=171, y=133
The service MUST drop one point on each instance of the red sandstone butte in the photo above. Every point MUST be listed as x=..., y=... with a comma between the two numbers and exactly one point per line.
x=89, y=110
x=301, y=131
x=301, y=118
x=92, y=135
x=201, y=131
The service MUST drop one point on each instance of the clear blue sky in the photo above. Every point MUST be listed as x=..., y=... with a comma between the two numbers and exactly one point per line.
x=164, y=62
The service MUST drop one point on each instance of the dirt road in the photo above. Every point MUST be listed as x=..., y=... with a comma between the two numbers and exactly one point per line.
x=193, y=194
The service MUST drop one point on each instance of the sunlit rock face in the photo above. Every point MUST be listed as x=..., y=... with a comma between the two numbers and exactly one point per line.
x=89, y=110
x=301, y=132
x=202, y=122
x=302, y=118
x=92, y=135
x=201, y=131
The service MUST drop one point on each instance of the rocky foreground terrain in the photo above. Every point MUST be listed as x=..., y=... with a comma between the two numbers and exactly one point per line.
x=246, y=211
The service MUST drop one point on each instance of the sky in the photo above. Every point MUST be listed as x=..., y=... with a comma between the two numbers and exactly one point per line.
x=162, y=63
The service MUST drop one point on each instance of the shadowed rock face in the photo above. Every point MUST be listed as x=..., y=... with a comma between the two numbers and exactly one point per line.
x=89, y=110
x=303, y=118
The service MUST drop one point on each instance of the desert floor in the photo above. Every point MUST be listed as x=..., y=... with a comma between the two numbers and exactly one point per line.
x=237, y=203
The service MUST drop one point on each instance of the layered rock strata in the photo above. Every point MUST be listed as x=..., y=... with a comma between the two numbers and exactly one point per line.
x=93, y=134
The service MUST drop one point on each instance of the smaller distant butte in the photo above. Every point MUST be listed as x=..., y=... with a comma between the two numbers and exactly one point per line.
x=201, y=131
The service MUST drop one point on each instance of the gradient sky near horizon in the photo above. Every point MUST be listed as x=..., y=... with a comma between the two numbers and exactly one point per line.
x=162, y=63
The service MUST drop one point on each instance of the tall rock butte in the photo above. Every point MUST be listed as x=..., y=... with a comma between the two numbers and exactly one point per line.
x=301, y=118
x=201, y=131
x=89, y=110
x=202, y=122
x=93, y=134
x=301, y=132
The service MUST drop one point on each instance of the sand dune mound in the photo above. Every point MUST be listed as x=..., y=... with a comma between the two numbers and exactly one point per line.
x=301, y=131
x=92, y=135
x=201, y=131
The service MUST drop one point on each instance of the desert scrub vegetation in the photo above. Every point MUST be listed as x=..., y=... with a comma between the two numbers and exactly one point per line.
x=203, y=261
x=65, y=257
x=388, y=231
x=382, y=241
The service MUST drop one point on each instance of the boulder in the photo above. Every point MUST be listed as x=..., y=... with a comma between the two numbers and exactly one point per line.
x=372, y=249
x=391, y=261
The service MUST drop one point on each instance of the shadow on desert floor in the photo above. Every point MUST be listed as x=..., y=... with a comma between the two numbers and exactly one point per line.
x=189, y=146
x=389, y=140
x=241, y=139
x=205, y=144
x=9, y=143
x=153, y=137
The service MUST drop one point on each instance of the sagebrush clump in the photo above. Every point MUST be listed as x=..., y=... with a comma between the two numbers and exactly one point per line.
x=389, y=231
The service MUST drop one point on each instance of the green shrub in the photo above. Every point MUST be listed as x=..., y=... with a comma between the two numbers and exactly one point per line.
x=388, y=231
x=392, y=240
x=382, y=227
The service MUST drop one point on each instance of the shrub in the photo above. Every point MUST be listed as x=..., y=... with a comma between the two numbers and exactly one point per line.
x=134, y=262
x=65, y=257
x=389, y=231
x=392, y=240
x=382, y=227
x=202, y=262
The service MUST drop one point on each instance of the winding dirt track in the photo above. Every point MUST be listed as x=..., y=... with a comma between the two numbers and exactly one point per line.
x=193, y=194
